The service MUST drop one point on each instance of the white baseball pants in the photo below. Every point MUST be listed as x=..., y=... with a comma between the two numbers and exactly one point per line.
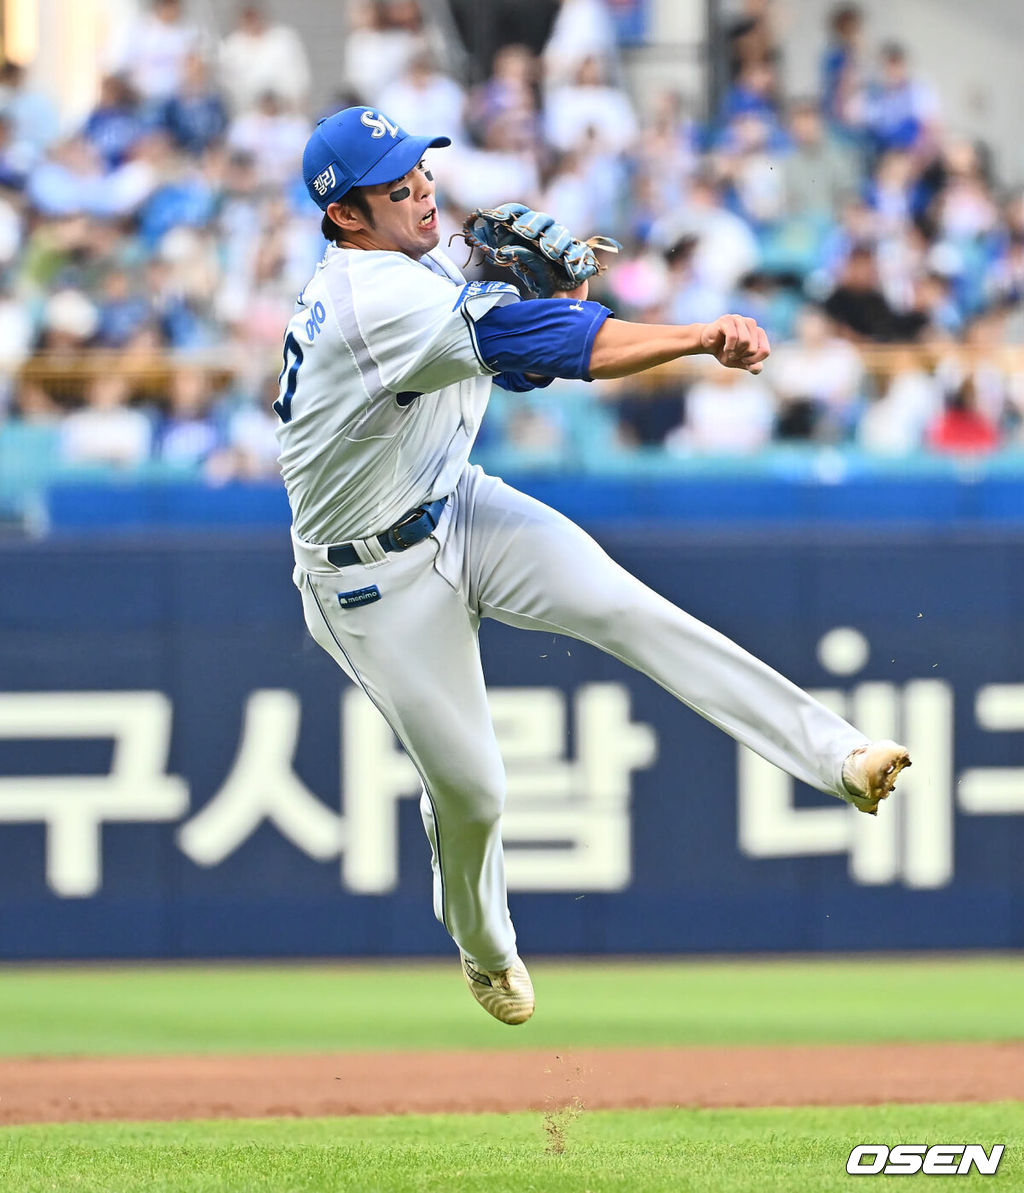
x=498, y=553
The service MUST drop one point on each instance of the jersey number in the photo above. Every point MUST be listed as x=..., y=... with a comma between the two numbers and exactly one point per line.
x=289, y=376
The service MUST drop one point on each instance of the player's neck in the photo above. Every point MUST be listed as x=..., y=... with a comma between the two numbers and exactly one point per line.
x=366, y=241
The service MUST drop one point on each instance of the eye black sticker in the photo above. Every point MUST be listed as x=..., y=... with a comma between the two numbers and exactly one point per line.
x=403, y=192
x=428, y=176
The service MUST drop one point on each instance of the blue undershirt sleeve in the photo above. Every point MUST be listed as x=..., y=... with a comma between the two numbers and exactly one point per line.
x=552, y=337
x=519, y=383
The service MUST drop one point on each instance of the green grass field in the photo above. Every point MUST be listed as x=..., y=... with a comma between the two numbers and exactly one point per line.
x=82, y=1011
x=640, y=1151
x=67, y=1011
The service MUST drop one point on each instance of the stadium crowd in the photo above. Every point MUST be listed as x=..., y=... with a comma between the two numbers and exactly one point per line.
x=172, y=223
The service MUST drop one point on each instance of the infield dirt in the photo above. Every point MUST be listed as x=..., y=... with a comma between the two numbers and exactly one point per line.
x=197, y=1087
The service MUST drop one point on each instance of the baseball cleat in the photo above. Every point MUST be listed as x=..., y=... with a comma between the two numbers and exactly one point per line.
x=870, y=772
x=507, y=994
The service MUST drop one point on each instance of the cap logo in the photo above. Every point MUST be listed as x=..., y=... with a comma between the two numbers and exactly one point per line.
x=324, y=181
x=379, y=124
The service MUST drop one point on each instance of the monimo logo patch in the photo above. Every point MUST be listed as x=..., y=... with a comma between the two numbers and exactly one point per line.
x=359, y=596
x=941, y=1159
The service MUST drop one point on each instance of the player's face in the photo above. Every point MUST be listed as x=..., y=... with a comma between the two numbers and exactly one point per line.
x=405, y=214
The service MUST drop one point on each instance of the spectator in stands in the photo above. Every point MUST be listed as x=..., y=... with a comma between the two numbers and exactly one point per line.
x=69, y=322
x=751, y=37
x=726, y=246
x=195, y=115
x=692, y=296
x=106, y=430
x=183, y=195
x=273, y=136
x=893, y=193
x=152, y=51
x=67, y=181
x=510, y=95
x=57, y=253
x=819, y=172
x=590, y=109
x=123, y=311
x=754, y=92
x=856, y=225
x=583, y=29
x=751, y=162
x=151, y=164
x=187, y=434
x=239, y=211
x=992, y=396
x=34, y=405
x=935, y=299
x=639, y=286
x=250, y=448
x=258, y=56
x=645, y=416
x=667, y=151
x=31, y=112
x=114, y=126
x=424, y=98
x=727, y=413
x=160, y=227
x=571, y=192
x=895, y=424
x=506, y=164
x=1004, y=279
x=771, y=300
x=901, y=112
x=860, y=309
x=382, y=40
x=176, y=314
x=817, y=379
x=964, y=210
x=961, y=428
x=282, y=265
x=842, y=71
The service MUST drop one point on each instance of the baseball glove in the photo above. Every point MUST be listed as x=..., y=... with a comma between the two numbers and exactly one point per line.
x=541, y=253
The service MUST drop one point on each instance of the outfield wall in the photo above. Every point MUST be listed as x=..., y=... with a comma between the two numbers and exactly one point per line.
x=184, y=773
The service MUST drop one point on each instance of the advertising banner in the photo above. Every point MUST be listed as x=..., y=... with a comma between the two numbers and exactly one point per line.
x=183, y=772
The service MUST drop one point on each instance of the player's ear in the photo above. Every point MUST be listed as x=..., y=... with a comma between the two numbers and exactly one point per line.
x=348, y=216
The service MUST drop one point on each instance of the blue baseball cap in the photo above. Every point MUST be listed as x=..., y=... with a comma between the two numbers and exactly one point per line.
x=358, y=147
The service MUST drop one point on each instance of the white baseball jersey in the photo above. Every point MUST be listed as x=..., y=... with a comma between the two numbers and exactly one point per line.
x=383, y=389
x=359, y=449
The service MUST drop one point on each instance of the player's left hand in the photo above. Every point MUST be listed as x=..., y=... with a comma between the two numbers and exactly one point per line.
x=542, y=253
x=736, y=342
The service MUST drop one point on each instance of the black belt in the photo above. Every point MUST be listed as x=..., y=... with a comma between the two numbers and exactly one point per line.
x=410, y=529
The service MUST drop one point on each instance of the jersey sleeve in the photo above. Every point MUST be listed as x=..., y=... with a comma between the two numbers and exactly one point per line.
x=417, y=328
x=549, y=336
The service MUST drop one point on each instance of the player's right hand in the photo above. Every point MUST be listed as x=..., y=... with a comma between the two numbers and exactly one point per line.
x=736, y=342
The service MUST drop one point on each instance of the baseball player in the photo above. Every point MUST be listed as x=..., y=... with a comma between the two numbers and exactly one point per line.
x=402, y=546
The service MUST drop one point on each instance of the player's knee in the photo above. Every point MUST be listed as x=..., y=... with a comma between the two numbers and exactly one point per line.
x=477, y=802
x=484, y=807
